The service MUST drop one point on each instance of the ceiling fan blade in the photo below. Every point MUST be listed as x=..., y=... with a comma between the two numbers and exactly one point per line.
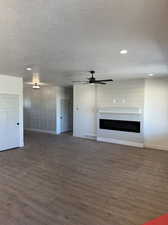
x=29, y=83
x=42, y=84
x=80, y=82
x=39, y=83
x=98, y=82
x=102, y=83
x=107, y=80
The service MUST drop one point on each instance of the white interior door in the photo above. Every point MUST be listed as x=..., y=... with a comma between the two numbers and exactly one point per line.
x=9, y=121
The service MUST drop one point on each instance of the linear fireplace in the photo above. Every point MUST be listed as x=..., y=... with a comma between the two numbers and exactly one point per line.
x=120, y=125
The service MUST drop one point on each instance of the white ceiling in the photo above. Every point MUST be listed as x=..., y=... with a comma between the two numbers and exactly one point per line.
x=62, y=39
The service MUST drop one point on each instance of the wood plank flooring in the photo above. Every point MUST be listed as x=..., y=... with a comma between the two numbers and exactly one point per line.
x=62, y=180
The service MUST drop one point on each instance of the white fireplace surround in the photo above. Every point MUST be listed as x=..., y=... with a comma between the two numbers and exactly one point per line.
x=120, y=137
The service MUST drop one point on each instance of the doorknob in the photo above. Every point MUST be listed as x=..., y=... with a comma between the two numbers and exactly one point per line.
x=17, y=124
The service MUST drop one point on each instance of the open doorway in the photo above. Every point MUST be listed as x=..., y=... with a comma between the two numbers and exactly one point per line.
x=65, y=111
x=66, y=115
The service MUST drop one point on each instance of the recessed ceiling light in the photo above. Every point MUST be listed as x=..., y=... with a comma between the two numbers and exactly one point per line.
x=123, y=52
x=151, y=74
x=28, y=68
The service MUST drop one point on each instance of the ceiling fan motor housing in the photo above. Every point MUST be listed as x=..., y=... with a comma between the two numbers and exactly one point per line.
x=92, y=80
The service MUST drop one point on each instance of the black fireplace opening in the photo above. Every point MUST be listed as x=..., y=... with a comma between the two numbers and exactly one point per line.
x=120, y=125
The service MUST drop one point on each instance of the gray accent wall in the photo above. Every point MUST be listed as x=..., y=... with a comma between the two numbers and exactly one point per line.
x=40, y=109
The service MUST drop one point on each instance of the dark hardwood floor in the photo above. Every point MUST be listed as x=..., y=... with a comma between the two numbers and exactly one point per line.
x=62, y=180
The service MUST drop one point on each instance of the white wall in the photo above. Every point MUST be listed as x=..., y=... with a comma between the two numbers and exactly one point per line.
x=150, y=95
x=156, y=113
x=88, y=99
x=122, y=94
x=14, y=85
x=129, y=93
x=84, y=124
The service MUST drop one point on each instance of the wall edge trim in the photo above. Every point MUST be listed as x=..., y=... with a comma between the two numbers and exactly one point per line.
x=121, y=142
x=41, y=131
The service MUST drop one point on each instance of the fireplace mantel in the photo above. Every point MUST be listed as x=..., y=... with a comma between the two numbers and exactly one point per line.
x=120, y=110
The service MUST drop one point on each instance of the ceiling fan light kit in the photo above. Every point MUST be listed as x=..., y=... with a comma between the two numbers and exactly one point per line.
x=36, y=86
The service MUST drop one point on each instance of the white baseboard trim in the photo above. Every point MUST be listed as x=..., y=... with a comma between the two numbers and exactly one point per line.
x=158, y=147
x=121, y=142
x=86, y=137
x=41, y=131
x=91, y=137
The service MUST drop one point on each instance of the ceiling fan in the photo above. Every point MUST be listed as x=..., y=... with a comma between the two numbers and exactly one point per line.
x=36, y=84
x=92, y=80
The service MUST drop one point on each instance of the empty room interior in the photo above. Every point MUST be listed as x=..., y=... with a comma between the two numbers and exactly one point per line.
x=84, y=112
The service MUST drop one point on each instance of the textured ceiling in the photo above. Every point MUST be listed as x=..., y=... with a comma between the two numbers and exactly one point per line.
x=62, y=39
